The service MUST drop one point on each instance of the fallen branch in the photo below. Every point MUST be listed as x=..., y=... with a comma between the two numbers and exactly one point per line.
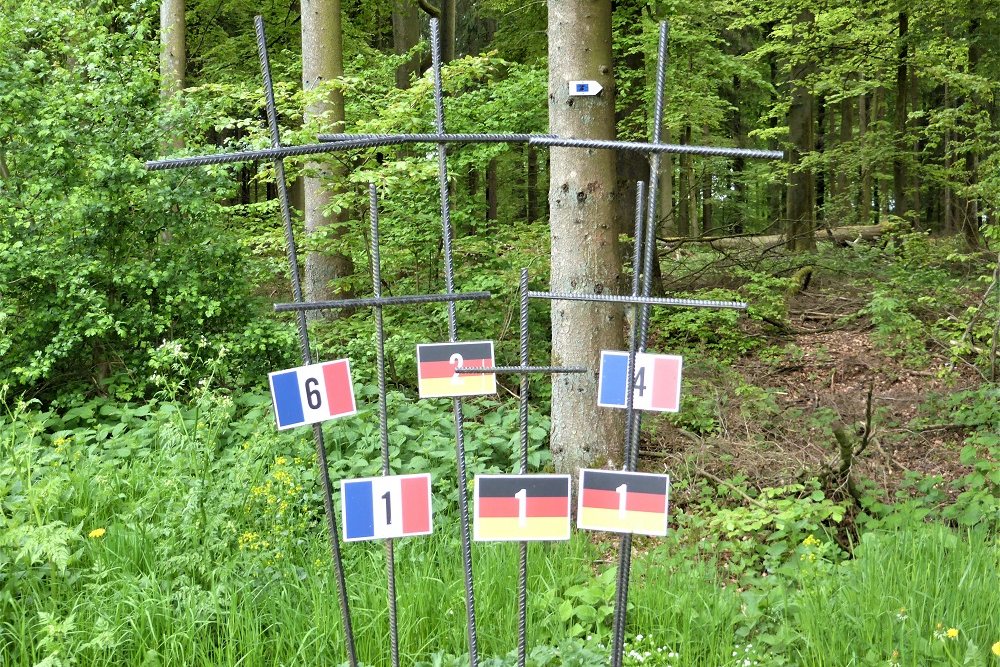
x=850, y=234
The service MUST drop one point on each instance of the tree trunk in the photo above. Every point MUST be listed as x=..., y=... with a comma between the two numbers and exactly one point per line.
x=865, y=203
x=532, y=186
x=405, y=35
x=899, y=185
x=322, y=62
x=491, y=190
x=586, y=255
x=665, y=199
x=800, y=225
x=173, y=61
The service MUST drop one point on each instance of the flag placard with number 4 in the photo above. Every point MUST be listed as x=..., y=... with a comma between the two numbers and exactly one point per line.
x=376, y=508
x=656, y=384
x=311, y=394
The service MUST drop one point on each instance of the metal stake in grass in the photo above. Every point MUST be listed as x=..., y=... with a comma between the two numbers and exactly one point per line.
x=383, y=419
x=279, y=167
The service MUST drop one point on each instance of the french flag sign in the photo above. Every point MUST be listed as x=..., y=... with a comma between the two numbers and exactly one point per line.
x=656, y=381
x=376, y=508
x=311, y=394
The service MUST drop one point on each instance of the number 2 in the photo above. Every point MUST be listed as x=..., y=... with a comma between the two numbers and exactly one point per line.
x=456, y=360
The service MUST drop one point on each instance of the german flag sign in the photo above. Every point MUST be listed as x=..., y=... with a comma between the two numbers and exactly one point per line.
x=623, y=502
x=437, y=363
x=521, y=508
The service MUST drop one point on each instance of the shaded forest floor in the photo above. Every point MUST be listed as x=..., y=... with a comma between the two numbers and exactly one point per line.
x=769, y=416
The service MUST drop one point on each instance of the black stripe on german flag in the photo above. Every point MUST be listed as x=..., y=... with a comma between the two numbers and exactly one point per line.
x=521, y=507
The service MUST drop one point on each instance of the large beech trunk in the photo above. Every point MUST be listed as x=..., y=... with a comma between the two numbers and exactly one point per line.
x=586, y=254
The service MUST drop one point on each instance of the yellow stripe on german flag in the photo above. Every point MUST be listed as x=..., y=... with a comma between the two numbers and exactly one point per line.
x=521, y=507
x=623, y=502
x=437, y=364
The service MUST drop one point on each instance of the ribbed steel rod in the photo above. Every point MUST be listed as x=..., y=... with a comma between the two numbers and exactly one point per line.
x=522, y=584
x=383, y=415
x=332, y=143
x=407, y=299
x=653, y=300
x=461, y=138
x=449, y=279
x=639, y=345
x=331, y=519
x=524, y=370
x=639, y=147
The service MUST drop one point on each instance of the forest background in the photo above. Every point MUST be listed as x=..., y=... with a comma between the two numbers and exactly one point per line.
x=836, y=493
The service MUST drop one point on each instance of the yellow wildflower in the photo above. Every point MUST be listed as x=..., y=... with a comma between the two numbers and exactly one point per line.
x=96, y=533
x=280, y=461
x=811, y=542
x=996, y=649
x=952, y=633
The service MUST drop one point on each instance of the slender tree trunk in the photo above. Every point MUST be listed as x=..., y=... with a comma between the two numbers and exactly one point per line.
x=899, y=183
x=819, y=197
x=665, y=199
x=865, y=203
x=684, y=224
x=532, y=186
x=970, y=226
x=491, y=190
x=586, y=256
x=322, y=62
x=800, y=224
x=405, y=35
x=173, y=60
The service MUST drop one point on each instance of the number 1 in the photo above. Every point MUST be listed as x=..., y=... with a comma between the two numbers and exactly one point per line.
x=388, y=508
x=522, y=506
x=622, y=497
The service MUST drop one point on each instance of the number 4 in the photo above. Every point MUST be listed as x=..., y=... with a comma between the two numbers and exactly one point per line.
x=639, y=386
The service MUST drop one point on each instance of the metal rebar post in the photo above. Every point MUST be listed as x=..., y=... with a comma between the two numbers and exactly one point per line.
x=522, y=596
x=406, y=299
x=449, y=279
x=522, y=370
x=652, y=300
x=636, y=146
x=639, y=343
x=331, y=519
x=383, y=416
x=637, y=254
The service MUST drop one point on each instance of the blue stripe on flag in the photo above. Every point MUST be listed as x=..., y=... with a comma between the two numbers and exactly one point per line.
x=613, y=370
x=287, y=400
x=359, y=515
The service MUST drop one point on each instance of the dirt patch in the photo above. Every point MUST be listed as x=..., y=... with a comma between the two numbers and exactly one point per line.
x=821, y=379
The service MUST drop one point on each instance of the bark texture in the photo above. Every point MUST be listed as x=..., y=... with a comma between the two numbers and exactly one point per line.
x=586, y=254
x=322, y=61
x=173, y=60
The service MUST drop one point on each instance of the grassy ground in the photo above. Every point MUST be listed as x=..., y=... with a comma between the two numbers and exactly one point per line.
x=187, y=531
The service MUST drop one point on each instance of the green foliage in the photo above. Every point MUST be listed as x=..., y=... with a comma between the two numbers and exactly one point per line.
x=100, y=260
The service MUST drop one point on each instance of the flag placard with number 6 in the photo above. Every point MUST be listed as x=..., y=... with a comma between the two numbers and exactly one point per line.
x=311, y=394
x=656, y=381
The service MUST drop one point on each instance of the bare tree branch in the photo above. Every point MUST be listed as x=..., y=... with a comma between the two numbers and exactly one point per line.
x=429, y=8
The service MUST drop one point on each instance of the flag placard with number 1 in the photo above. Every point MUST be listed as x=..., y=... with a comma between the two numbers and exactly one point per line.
x=311, y=394
x=391, y=506
x=656, y=381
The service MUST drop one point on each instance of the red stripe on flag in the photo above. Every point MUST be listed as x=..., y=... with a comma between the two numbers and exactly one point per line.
x=430, y=370
x=536, y=507
x=666, y=391
x=339, y=394
x=637, y=502
x=416, y=508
